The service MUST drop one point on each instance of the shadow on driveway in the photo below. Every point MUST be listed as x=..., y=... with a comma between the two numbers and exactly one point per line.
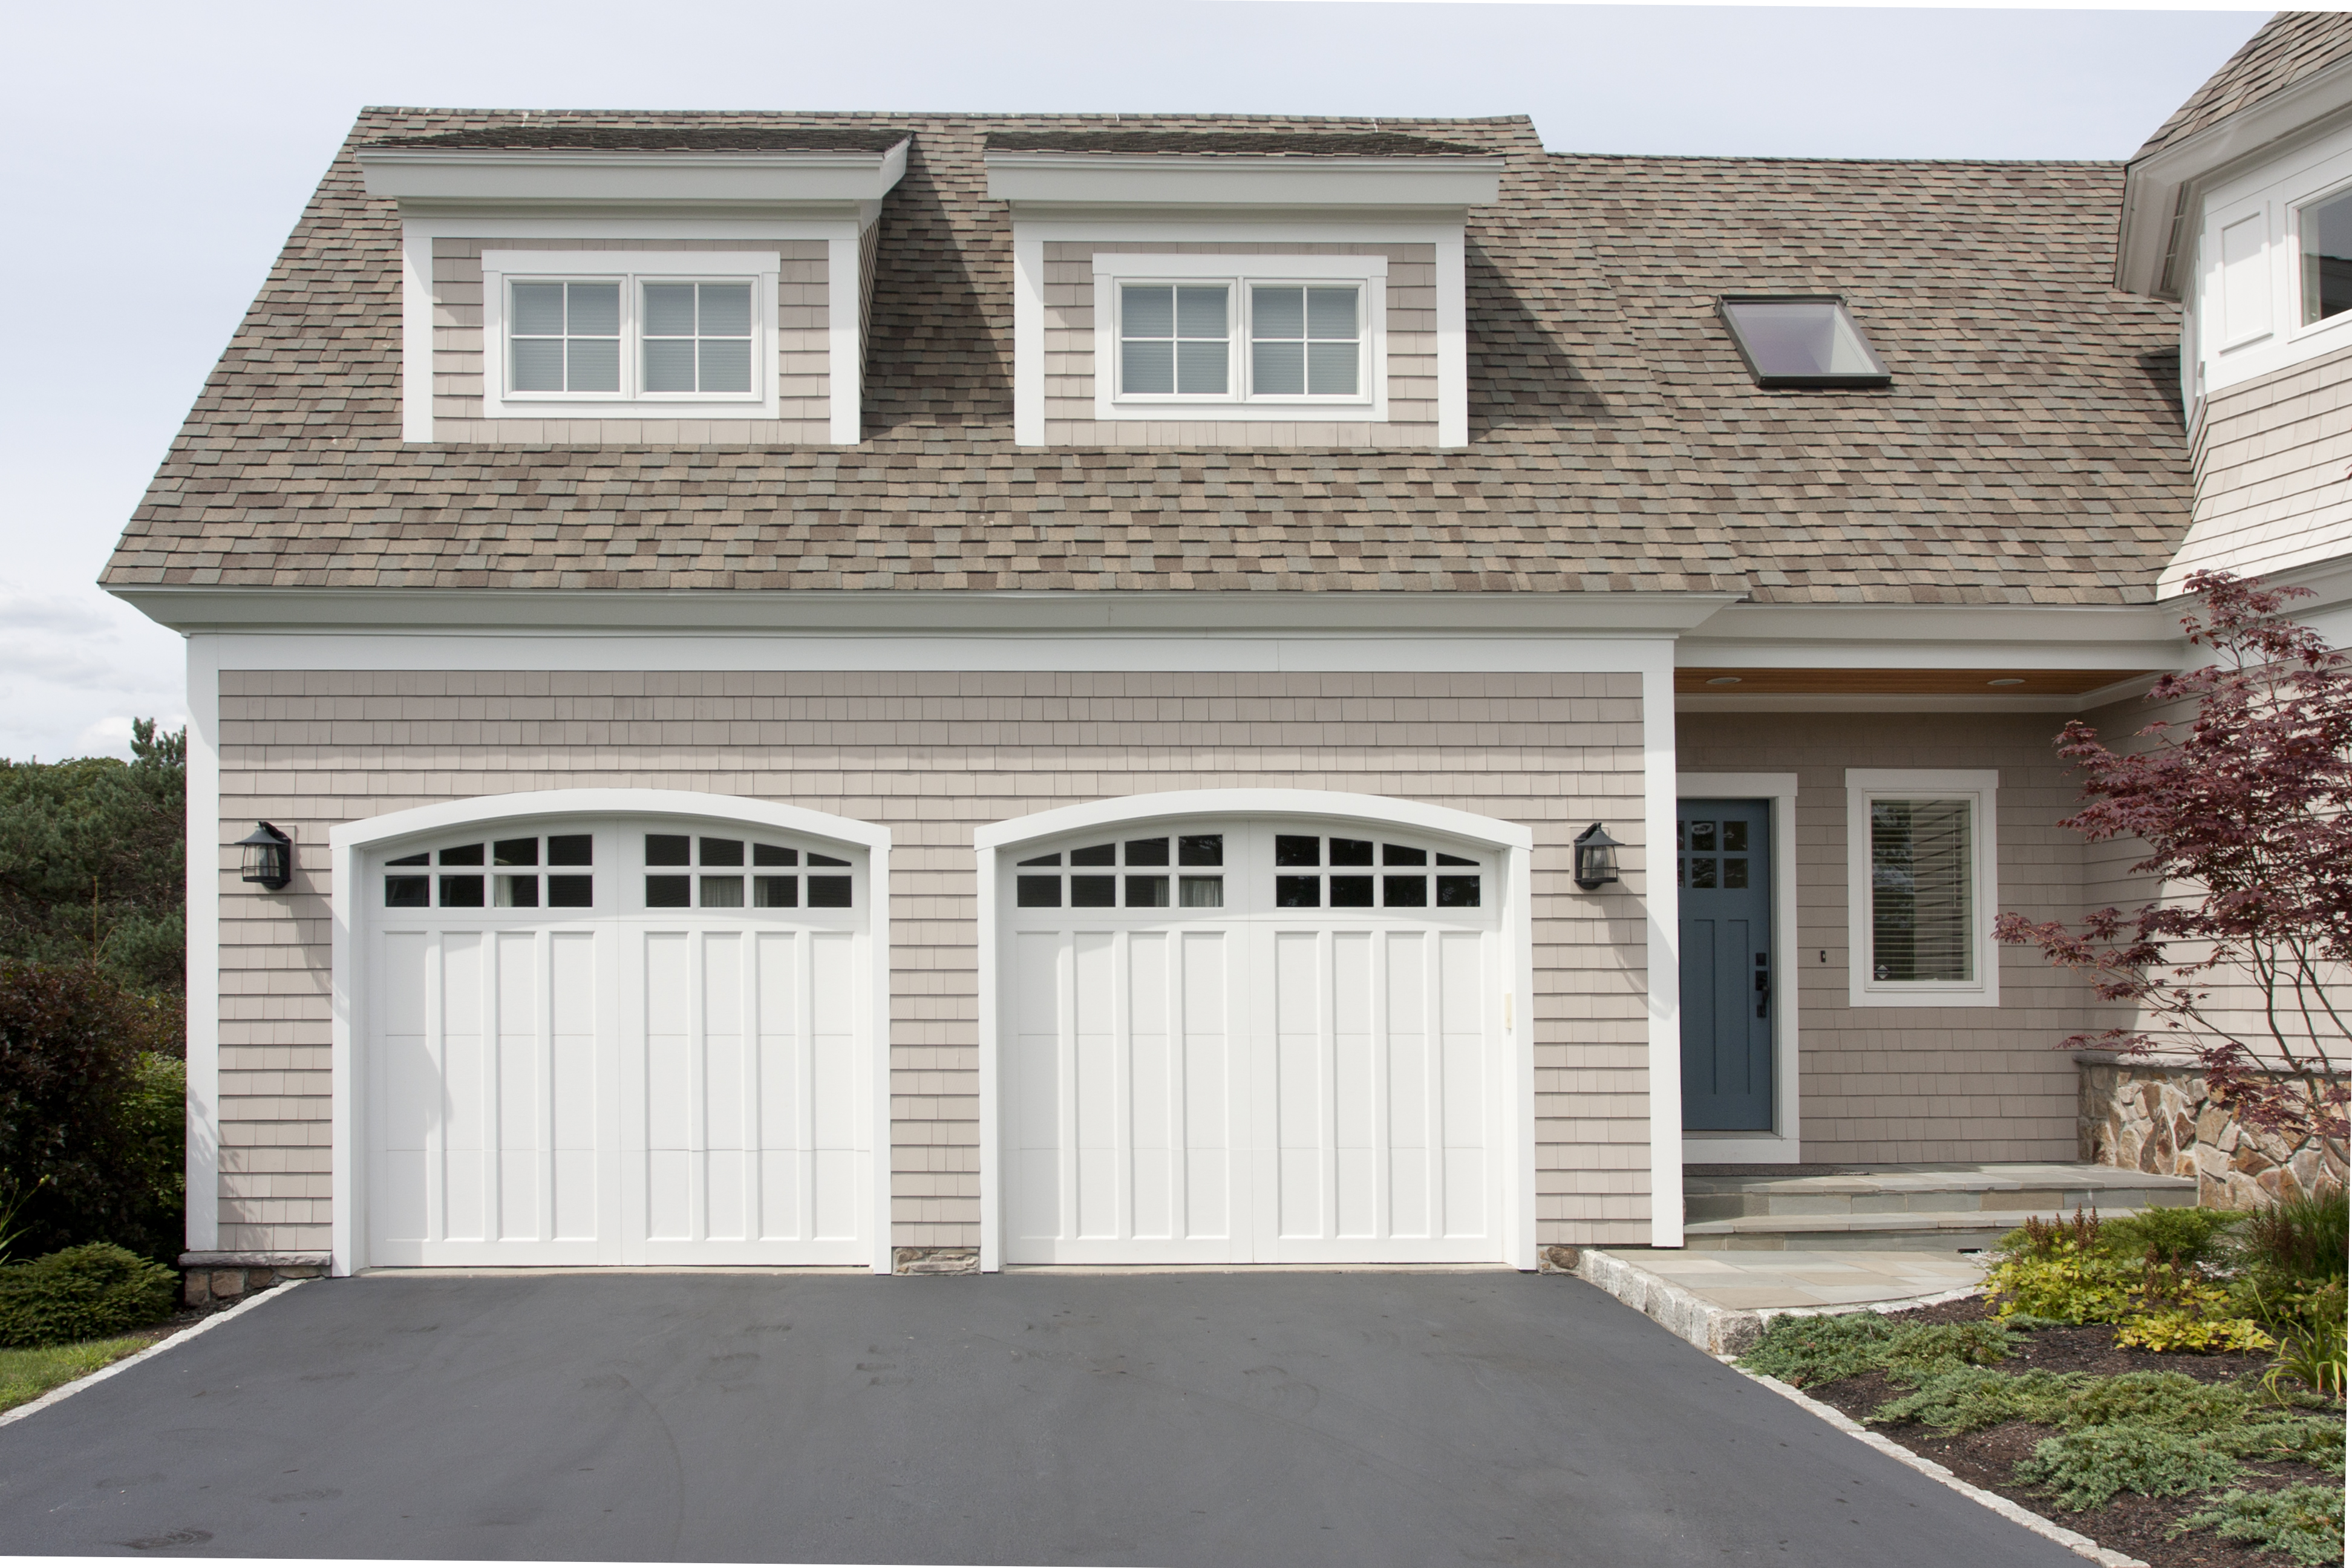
x=1177, y=1419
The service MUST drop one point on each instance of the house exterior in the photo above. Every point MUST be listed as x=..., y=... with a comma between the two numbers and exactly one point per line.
x=933, y=691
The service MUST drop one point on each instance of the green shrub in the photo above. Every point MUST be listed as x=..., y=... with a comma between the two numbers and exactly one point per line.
x=1918, y=1350
x=2066, y=1283
x=1802, y=1350
x=91, y=1117
x=1969, y=1399
x=2296, y=1238
x=2186, y=1238
x=2171, y=1401
x=2303, y=1524
x=82, y=1293
x=2083, y=1469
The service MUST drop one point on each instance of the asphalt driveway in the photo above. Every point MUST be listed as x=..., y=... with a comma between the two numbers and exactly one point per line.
x=1293, y=1419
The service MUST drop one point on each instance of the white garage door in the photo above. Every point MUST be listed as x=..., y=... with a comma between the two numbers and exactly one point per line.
x=1253, y=1041
x=618, y=1042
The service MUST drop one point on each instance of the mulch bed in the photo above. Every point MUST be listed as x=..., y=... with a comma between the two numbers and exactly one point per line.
x=2128, y=1523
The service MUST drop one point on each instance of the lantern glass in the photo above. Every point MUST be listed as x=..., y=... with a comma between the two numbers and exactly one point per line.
x=266, y=857
x=1596, y=858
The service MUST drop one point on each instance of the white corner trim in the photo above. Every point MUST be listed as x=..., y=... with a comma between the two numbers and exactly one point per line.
x=1980, y=786
x=845, y=360
x=204, y=877
x=1662, y=910
x=1388, y=810
x=1778, y=1147
x=991, y=1104
x=1453, y=340
x=351, y=840
x=66, y=1391
x=416, y=310
x=1028, y=337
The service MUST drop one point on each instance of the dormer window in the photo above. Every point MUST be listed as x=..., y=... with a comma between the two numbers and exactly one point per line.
x=2327, y=234
x=1800, y=340
x=1239, y=336
x=670, y=335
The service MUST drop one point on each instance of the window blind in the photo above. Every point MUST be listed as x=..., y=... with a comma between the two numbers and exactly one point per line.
x=1922, y=890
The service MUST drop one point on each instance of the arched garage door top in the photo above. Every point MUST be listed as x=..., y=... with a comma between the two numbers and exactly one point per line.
x=730, y=808
x=1126, y=810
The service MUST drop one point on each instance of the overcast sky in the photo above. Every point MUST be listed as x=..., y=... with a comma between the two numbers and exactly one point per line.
x=160, y=153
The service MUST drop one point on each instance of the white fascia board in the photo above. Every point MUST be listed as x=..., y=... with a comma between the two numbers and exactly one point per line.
x=1955, y=636
x=1117, y=179
x=285, y=610
x=2153, y=185
x=509, y=175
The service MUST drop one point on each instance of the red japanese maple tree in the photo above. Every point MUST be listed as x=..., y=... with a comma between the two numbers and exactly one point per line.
x=2240, y=959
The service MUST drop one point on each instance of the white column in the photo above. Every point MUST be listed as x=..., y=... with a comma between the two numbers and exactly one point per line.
x=1664, y=957
x=203, y=875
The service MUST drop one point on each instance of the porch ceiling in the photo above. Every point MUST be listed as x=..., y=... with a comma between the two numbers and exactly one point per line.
x=1768, y=682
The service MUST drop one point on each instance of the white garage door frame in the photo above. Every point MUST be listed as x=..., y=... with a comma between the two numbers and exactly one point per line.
x=350, y=843
x=1512, y=841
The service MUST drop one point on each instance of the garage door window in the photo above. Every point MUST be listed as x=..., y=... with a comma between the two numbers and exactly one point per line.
x=724, y=873
x=1345, y=888
x=502, y=873
x=1134, y=874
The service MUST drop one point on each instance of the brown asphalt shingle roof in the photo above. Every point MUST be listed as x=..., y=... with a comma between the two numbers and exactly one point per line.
x=665, y=138
x=2030, y=450
x=1259, y=144
x=2291, y=47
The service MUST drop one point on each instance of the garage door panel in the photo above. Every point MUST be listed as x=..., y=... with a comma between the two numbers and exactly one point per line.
x=1319, y=1094
x=1154, y=1148
x=591, y=1085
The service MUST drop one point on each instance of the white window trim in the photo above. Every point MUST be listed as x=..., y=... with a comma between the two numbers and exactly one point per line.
x=1981, y=788
x=1112, y=268
x=632, y=269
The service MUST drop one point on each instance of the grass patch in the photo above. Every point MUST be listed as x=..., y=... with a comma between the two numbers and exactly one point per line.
x=26, y=1374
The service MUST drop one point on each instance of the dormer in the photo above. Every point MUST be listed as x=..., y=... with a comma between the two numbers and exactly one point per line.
x=582, y=283
x=1244, y=290
x=2240, y=208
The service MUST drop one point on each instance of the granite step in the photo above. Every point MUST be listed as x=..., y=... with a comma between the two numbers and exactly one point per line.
x=2043, y=1188
x=1950, y=1230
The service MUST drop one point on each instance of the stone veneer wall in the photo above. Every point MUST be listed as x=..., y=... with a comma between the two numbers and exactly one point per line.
x=2155, y=1116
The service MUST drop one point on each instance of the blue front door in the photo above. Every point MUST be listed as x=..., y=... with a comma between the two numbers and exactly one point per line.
x=1723, y=863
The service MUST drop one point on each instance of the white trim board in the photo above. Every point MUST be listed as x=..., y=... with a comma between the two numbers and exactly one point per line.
x=1514, y=840
x=1594, y=655
x=203, y=873
x=352, y=839
x=1662, y=960
x=1780, y=1146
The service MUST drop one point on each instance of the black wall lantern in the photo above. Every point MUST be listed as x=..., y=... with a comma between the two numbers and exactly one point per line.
x=269, y=856
x=1596, y=858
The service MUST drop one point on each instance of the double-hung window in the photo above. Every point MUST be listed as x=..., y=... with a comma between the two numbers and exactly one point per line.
x=1225, y=336
x=1921, y=888
x=600, y=334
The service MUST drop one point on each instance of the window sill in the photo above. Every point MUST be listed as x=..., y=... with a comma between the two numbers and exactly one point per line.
x=628, y=408
x=1364, y=412
x=1955, y=996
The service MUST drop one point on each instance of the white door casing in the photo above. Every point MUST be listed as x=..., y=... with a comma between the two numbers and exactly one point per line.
x=625, y=1082
x=1255, y=1079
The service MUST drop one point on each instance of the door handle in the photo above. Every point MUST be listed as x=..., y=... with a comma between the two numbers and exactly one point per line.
x=1763, y=984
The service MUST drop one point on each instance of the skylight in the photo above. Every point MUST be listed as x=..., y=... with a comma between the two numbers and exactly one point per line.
x=1800, y=340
